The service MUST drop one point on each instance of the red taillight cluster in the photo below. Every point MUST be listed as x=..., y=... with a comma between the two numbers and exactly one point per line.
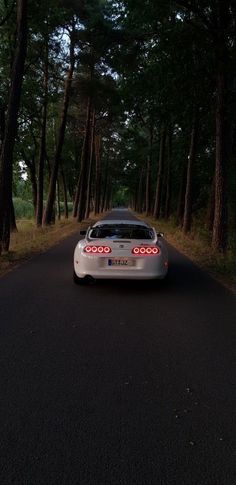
x=97, y=249
x=145, y=250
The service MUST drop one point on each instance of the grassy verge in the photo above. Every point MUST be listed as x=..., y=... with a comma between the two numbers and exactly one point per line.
x=197, y=247
x=30, y=240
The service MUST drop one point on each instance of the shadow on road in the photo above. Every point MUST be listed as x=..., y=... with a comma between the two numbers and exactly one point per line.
x=183, y=278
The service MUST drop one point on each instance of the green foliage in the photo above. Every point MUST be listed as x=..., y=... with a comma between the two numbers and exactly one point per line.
x=23, y=208
x=143, y=64
x=121, y=197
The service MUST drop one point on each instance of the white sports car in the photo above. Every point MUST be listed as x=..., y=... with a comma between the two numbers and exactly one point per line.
x=118, y=249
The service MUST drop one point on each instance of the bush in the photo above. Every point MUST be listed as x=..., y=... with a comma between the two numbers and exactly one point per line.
x=70, y=207
x=23, y=208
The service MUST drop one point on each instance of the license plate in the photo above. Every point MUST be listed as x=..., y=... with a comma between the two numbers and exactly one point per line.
x=119, y=262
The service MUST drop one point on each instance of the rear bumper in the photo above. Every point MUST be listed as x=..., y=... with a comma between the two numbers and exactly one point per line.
x=148, y=268
x=122, y=276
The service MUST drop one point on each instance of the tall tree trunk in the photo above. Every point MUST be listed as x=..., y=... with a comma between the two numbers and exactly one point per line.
x=77, y=192
x=77, y=188
x=105, y=185
x=219, y=234
x=82, y=184
x=33, y=185
x=147, y=188
x=181, y=197
x=157, y=204
x=48, y=166
x=187, y=219
x=148, y=172
x=168, y=175
x=134, y=199
x=91, y=156
x=211, y=207
x=39, y=207
x=6, y=159
x=66, y=212
x=2, y=123
x=97, y=200
x=47, y=216
x=58, y=200
x=13, y=218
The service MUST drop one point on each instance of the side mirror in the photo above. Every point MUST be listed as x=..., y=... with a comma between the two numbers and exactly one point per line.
x=82, y=233
x=160, y=234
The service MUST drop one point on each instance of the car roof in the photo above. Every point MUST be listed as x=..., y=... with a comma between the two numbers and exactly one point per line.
x=111, y=222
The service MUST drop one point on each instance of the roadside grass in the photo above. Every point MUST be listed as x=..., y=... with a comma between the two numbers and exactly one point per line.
x=197, y=247
x=30, y=240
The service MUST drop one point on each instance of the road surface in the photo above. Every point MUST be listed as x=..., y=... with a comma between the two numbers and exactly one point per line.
x=120, y=383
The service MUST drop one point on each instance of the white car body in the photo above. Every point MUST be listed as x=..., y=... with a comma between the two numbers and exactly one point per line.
x=121, y=237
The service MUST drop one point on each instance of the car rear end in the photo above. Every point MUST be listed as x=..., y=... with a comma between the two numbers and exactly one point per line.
x=121, y=259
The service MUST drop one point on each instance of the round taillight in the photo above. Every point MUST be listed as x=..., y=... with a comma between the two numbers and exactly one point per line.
x=97, y=249
x=145, y=250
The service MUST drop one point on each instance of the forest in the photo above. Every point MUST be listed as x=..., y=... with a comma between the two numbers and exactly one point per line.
x=119, y=103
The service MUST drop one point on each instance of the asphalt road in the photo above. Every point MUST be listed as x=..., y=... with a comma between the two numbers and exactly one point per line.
x=119, y=383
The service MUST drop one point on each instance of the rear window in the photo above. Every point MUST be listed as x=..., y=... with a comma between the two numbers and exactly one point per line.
x=121, y=232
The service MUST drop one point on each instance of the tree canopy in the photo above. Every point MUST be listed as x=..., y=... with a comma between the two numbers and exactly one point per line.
x=123, y=102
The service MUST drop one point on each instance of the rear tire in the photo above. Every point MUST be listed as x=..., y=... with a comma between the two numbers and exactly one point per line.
x=77, y=280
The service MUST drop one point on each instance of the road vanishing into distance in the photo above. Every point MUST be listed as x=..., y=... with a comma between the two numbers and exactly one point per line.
x=118, y=383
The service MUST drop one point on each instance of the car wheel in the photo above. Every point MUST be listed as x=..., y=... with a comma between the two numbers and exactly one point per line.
x=77, y=280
